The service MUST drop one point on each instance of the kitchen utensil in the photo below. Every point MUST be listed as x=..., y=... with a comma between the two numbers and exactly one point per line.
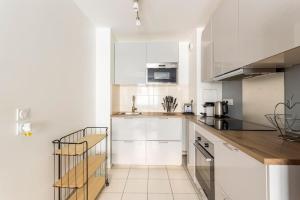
x=208, y=109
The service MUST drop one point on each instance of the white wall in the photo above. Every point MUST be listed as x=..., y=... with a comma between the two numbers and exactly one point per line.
x=47, y=63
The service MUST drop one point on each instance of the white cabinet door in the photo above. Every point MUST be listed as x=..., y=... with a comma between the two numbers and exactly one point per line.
x=225, y=37
x=158, y=52
x=164, y=129
x=207, y=73
x=220, y=194
x=191, y=149
x=267, y=27
x=240, y=176
x=130, y=63
x=129, y=152
x=164, y=153
x=128, y=128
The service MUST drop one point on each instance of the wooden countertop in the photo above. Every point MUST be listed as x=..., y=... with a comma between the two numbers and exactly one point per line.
x=264, y=146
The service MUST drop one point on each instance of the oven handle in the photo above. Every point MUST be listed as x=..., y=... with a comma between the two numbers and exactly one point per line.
x=208, y=157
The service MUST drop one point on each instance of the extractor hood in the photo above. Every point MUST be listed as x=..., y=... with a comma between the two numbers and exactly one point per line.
x=273, y=64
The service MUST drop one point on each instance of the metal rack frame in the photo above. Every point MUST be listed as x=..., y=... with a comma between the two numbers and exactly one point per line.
x=71, y=159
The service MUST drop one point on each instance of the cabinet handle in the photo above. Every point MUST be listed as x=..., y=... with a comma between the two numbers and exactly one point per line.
x=230, y=147
x=163, y=142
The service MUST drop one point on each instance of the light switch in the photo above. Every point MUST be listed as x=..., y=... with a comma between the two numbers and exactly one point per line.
x=23, y=123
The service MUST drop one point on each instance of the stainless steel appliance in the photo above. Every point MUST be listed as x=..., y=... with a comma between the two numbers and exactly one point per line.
x=162, y=73
x=221, y=108
x=205, y=172
x=209, y=109
x=233, y=124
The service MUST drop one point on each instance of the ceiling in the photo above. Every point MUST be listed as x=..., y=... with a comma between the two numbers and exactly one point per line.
x=161, y=19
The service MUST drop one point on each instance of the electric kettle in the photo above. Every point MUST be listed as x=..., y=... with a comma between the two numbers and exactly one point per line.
x=221, y=109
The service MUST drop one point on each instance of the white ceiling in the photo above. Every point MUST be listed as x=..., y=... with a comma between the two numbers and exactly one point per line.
x=161, y=19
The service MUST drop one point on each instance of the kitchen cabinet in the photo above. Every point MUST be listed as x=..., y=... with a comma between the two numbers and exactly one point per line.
x=191, y=149
x=267, y=28
x=130, y=63
x=147, y=140
x=129, y=152
x=164, y=153
x=128, y=128
x=164, y=128
x=159, y=52
x=225, y=36
x=207, y=72
x=241, y=176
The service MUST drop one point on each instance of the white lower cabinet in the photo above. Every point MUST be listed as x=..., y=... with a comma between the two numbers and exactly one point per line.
x=239, y=175
x=153, y=141
x=191, y=149
x=164, y=153
x=220, y=194
x=128, y=152
x=164, y=128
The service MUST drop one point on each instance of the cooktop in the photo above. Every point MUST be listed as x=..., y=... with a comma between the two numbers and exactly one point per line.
x=233, y=124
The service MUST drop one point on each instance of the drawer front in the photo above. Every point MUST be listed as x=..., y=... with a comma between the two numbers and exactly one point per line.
x=129, y=152
x=164, y=129
x=129, y=128
x=164, y=153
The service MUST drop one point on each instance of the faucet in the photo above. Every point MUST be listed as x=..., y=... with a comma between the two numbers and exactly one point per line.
x=133, y=109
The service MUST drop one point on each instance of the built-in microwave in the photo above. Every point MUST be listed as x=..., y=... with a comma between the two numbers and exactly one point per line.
x=162, y=73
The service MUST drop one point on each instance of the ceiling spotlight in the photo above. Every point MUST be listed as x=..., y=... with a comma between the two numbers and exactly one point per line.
x=135, y=5
x=138, y=21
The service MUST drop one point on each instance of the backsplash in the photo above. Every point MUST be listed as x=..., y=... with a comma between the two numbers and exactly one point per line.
x=233, y=90
x=148, y=98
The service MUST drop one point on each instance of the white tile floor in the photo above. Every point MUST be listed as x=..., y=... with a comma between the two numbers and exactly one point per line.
x=149, y=183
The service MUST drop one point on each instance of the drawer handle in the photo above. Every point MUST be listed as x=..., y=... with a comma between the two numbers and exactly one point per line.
x=128, y=141
x=230, y=147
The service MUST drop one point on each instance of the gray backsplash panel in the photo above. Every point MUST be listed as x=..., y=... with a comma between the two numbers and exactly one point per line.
x=292, y=87
x=233, y=90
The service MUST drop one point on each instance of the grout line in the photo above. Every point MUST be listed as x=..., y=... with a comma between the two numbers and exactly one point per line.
x=169, y=182
x=148, y=182
x=125, y=182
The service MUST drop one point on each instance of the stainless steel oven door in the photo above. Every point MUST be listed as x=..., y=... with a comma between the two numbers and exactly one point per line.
x=205, y=171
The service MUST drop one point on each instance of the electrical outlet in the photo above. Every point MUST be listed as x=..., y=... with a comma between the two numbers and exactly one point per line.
x=230, y=101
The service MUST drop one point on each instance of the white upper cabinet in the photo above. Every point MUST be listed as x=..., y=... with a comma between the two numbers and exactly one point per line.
x=207, y=73
x=158, y=52
x=225, y=32
x=267, y=27
x=130, y=63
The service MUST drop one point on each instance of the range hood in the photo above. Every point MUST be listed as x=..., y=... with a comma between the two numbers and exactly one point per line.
x=273, y=64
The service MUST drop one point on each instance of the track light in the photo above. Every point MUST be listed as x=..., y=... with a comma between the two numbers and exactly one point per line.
x=137, y=21
x=135, y=5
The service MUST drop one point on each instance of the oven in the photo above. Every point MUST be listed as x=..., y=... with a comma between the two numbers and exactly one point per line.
x=162, y=73
x=204, y=153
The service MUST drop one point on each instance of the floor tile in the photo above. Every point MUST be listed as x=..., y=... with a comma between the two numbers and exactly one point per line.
x=132, y=196
x=160, y=197
x=110, y=196
x=177, y=174
x=157, y=166
x=186, y=197
x=121, y=167
x=158, y=173
x=139, y=173
x=136, y=186
x=159, y=186
x=175, y=167
x=118, y=173
x=182, y=186
x=115, y=186
x=139, y=166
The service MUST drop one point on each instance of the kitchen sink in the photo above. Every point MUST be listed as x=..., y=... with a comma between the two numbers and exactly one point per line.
x=130, y=113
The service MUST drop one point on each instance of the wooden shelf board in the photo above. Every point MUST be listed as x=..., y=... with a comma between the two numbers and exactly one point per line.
x=77, y=177
x=78, y=149
x=94, y=187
